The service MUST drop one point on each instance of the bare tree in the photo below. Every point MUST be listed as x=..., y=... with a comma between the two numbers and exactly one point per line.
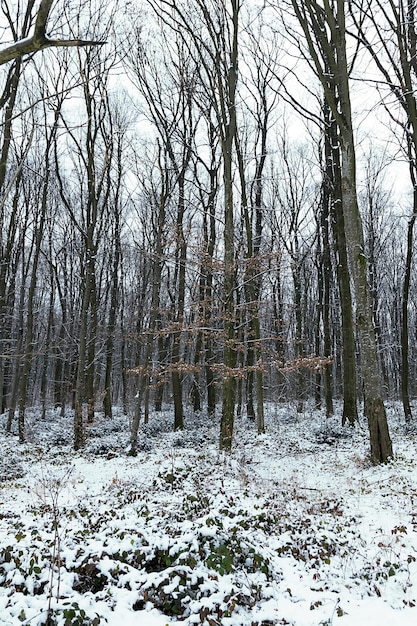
x=324, y=284
x=20, y=22
x=92, y=152
x=393, y=49
x=324, y=28
x=39, y=227
x=332, y=196
x=210, y=31
x=207, y=193
x=261, y=62
x=294, y=190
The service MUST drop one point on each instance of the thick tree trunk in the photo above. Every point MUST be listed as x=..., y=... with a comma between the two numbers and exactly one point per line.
x=381, y=446
x=350, y=406
x=334, y=191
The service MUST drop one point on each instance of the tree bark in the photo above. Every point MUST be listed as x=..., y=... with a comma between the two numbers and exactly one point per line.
x=39, y=40
x=334, y=181
x=228, y=141
x=381, y=446
x=325, y=31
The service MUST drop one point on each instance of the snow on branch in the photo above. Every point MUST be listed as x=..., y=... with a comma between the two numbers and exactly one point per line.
x=39, y=40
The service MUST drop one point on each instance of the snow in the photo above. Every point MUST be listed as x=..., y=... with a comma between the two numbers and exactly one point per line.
x=293, y=527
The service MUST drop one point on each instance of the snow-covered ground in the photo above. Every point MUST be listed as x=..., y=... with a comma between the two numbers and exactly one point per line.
x=294, y=527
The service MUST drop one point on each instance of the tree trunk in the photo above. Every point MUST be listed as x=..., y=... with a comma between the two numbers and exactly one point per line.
x=114, y=295
x=327, y=339
x=228, y=141
x=181, y=255
x=9, y=95
x=334, y=181
x=405, y=393
x=381, y=446
x=47, y=354
x=229, y=352
x=350, y=407
x=90, y=387
x=39, y=229
x=79, y=398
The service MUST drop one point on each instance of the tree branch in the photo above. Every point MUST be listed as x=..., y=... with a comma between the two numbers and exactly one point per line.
x=39, y=40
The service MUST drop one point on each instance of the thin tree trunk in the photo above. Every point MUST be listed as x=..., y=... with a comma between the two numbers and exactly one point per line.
x=299, y=339
x=229, y=352
x=38, y=239
x=254, y=374
x=79, y=398
x=179, y=316
x=153, y=334
x=327, y=338
x=228, y=141
x=405, y=393
x=47, y=354
x=9, y=95
x=114, y=289
x=18, y=350
x=90, y=390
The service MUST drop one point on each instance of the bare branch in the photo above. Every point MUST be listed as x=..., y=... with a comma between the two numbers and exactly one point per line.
x=39, y=40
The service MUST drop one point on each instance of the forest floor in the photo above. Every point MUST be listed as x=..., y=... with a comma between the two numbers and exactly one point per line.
x=293, y=527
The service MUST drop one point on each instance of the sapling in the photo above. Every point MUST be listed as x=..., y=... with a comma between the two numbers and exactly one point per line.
x=49, y=491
